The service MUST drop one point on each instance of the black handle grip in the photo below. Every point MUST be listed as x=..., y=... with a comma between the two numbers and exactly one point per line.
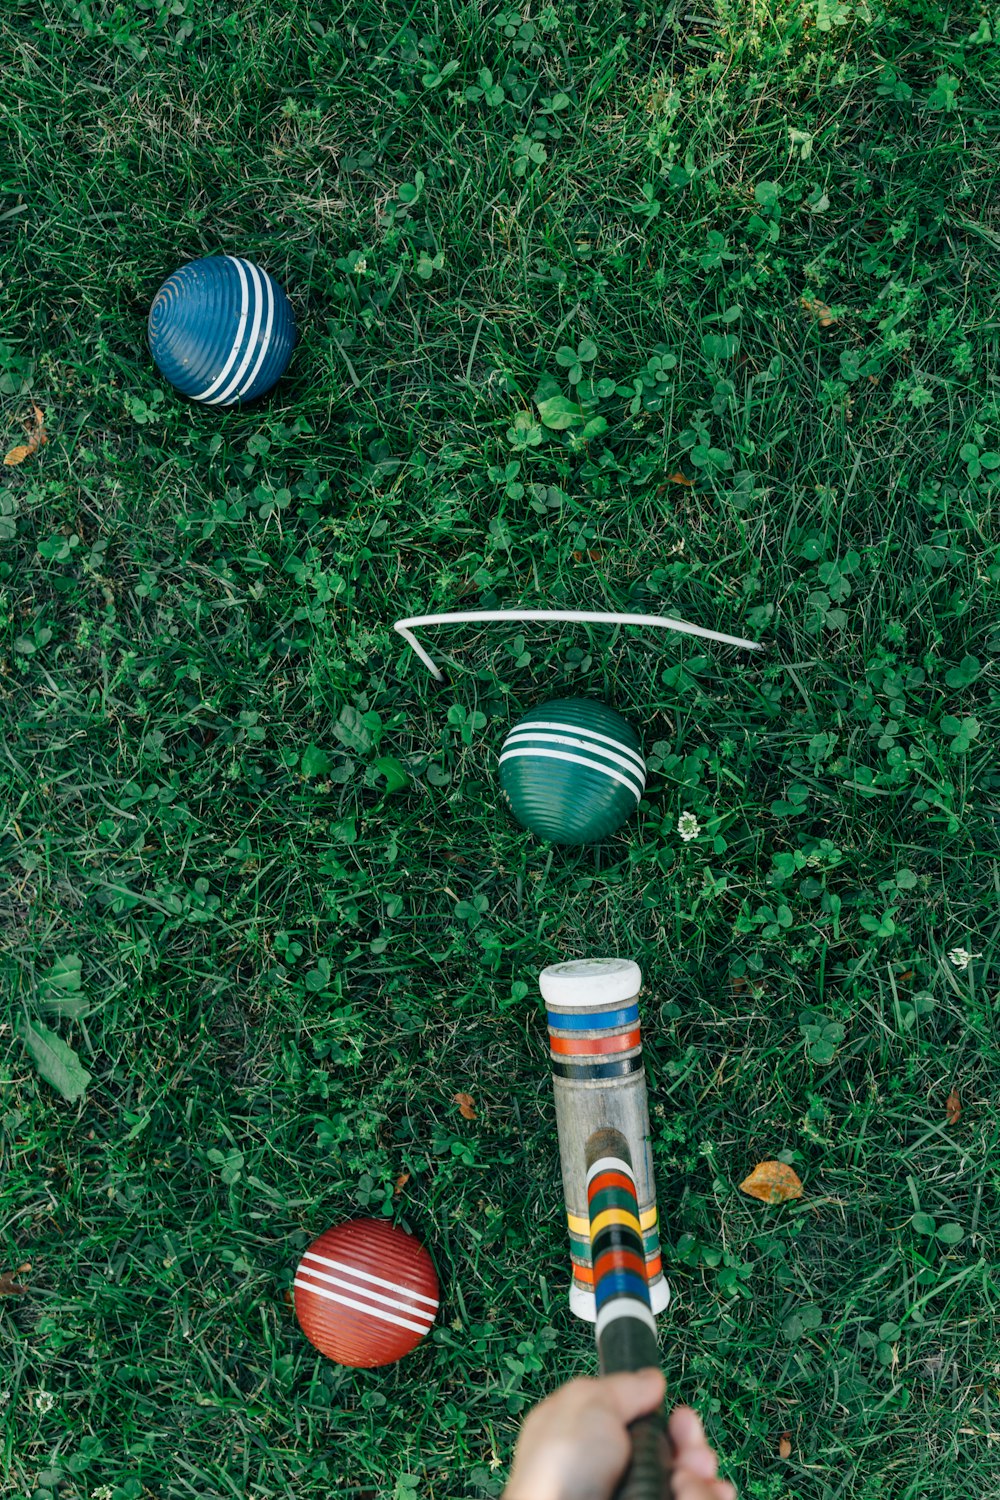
x=648, y=1475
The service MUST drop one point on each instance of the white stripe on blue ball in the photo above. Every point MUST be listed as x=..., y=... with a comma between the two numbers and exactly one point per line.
x=209, y=393
x=232, y=387
x=268, y=326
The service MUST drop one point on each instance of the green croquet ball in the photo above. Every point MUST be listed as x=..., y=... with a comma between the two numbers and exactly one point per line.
x=572, y=771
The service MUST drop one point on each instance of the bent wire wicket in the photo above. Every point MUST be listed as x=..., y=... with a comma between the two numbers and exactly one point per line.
x=582, y=616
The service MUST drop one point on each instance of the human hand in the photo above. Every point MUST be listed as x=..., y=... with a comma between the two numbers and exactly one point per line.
x=575, y=1445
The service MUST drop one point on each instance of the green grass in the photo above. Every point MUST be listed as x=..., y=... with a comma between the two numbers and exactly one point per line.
x=288, y=970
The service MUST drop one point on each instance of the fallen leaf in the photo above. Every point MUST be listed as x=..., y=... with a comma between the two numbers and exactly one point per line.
x=401, y=1182
x=11, y=1288
x=818, y=310
x=56, y=1061
x=287, y=1295
x=36, y=437
x=772, y=1182
x=785, y=1445
x=60, y=989
x=680, y=479
x=953, y=1107
x=593, y=554
x=466, y=1105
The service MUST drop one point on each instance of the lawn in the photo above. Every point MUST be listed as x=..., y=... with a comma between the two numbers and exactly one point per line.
x=255, y=870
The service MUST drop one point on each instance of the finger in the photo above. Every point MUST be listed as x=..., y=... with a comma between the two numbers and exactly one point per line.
x=687, y=1487
x=686, y=1430
x=634, y=1393
x=691, y=1450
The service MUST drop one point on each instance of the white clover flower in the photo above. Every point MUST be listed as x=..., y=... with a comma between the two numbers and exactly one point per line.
x=105, y=1492
x=688, y=826
x=361, y=265
x=4, y=1396
x=44, y=1401
x=962, y=958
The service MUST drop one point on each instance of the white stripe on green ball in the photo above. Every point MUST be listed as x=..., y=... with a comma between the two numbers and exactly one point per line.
x=532, y=726
x=572, y=770
x=582, y=741
x=570, y=750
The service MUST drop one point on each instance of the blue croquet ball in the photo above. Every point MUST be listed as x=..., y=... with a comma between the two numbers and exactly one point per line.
x=221, y=330
x=572, y=771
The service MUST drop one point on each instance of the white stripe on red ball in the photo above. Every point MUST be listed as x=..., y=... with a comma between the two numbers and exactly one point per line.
x=365, y=1307
x=356, y=1271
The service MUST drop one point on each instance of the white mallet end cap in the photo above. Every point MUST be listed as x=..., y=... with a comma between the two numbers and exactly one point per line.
x=590, y=981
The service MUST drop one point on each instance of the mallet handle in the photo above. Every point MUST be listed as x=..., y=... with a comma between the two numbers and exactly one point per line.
x=648, y=1475
x=626, y=1330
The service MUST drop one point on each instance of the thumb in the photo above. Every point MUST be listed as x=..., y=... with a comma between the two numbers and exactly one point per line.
x=634, y=1392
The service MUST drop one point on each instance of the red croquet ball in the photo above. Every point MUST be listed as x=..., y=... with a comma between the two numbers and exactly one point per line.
x=366, y=1293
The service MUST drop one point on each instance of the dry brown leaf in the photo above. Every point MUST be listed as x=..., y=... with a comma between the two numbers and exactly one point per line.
x=401, y=1182
x=818, y=310
x=594, y=554
x=466, y=1105
x=36, y=437
x=11, y=1288
x=772, y=1182
x=953, y=1107
x=680, y=479
x=785, y=1445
